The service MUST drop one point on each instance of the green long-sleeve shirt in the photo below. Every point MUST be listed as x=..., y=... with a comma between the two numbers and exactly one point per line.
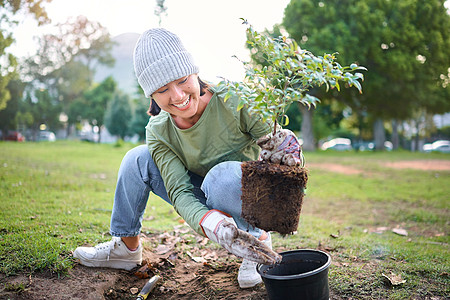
x=221, y=134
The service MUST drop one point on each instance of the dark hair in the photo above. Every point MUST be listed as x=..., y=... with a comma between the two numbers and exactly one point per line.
x=154, y=108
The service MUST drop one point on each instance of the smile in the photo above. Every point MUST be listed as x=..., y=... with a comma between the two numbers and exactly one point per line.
x=184, y=104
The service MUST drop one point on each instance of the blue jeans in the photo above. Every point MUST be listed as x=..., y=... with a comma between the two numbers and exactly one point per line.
x=138, y=176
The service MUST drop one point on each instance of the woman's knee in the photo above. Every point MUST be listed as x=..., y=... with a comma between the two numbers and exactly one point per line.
x=137, y=155
x=224, y=178
x=136, y=162
x=134, y=154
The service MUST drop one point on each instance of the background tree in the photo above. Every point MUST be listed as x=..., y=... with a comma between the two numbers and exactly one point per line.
x=10, y=9
x=92, y=105
x=85, y=41
x=140, y=116
x=404, y=44
x=39, y=107
x=65, y=62
x=118, y=115
x=160, y=9
x=7, y=116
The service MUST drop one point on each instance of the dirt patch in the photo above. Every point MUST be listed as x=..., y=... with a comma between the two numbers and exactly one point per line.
x=426, y=165
x=432, y=165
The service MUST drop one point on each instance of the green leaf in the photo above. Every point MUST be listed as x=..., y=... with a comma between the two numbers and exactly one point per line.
x=338, y=87
x=357, y=85
x=241, y=105
x=285, y=120
x=227, y=96
x=359, y=76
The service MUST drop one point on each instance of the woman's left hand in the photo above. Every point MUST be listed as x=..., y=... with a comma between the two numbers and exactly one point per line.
x=222, y=229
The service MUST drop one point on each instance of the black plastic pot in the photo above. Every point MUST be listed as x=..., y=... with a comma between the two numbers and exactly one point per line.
x=302, y=274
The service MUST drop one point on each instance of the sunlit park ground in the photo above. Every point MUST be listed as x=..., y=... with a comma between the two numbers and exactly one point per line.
x=382, y=216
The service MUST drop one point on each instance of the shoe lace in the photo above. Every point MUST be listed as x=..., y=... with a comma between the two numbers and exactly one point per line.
x=108, y=246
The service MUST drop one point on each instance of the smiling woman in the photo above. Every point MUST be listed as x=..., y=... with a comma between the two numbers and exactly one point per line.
x=195, y=146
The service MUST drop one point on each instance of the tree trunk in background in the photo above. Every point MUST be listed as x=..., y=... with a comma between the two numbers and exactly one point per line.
x=395, y=139
x=416, y=137
x=379, y=134
x=99, y=134
x=307, y=128
x=68, y=130
x=403, y=138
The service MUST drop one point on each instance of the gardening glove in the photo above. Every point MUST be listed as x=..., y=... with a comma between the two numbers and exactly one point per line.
x=222, y=229
x=281, y=148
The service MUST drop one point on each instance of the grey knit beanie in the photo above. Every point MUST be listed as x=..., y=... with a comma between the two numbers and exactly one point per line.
x=159, y=58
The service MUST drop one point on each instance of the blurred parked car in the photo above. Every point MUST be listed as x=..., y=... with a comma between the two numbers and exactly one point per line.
x=364, y=146
x=47, y=136
x=370, y=146
x=388, y=146
x=15, y=136
x=439, y=146
x=338, y=144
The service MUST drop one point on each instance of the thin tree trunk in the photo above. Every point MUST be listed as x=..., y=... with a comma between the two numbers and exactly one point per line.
x=403, y=140
x=417, y=136
x=395, y=138
x=379, y=134
x=99, y=134
x=69, y=130
x=307, y=128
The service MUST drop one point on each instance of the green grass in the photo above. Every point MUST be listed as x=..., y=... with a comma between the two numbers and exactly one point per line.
x=57, y=196
x=54, y=197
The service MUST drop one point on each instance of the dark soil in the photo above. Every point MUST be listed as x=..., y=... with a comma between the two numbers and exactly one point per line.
x=272, y=195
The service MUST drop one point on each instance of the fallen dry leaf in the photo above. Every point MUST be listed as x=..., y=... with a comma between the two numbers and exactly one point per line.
x=394, y=279
x=197, y=259
x=380, y=230
x=163, y=249
x=334, y=236
x=400, y=231
x=144, y=271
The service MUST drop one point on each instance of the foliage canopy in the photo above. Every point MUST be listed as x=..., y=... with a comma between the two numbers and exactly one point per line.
x=404, y=44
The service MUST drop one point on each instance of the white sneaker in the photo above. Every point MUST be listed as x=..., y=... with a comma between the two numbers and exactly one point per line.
x=248, y=276
x=112, y=254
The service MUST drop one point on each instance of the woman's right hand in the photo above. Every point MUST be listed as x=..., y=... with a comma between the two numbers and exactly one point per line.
x=281, y=148
x=222, y=229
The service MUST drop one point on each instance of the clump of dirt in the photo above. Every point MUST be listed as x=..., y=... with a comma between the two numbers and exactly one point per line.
x=272, y=195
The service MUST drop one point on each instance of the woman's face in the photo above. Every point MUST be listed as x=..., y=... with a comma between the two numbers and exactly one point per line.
x=180, y=97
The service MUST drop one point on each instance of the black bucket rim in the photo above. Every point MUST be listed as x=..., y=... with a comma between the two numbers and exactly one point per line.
x=297, y=276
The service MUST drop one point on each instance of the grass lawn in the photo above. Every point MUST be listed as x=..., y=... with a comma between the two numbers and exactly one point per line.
x=56, y=196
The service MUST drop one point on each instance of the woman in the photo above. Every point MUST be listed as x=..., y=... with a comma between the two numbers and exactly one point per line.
x=195, y=143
